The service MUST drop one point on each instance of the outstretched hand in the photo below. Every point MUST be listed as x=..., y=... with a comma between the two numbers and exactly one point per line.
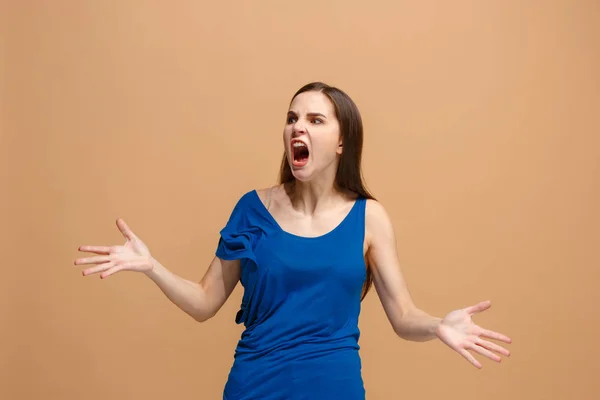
x=132, y=256
x=460, y=333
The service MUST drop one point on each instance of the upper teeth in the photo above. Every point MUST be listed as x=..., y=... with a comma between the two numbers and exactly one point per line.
x=299, y=144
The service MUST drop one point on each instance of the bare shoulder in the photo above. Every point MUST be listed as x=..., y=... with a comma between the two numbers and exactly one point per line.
x=376, y=213
x=262, y=193
x=268, y=193
x=377, y=222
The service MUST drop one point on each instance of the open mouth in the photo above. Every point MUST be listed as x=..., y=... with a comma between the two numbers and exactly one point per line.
x=299, y=153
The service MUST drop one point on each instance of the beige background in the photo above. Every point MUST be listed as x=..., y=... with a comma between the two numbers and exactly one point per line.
x=482, y=140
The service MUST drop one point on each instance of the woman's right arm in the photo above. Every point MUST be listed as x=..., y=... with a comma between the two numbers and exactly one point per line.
x=199, y=300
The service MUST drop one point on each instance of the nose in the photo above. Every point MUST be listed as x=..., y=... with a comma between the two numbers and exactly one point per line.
x=299, y=128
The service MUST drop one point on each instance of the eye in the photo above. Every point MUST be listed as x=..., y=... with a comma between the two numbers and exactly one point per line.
x=291, y=120
x=317, y=121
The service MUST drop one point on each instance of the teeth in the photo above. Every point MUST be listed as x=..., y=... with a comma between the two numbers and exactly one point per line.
x=299, y=144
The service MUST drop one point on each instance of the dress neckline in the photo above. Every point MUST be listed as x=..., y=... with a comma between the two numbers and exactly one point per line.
x=274, y=221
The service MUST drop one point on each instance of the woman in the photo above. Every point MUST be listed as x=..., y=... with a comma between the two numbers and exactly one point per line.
x=306, y=251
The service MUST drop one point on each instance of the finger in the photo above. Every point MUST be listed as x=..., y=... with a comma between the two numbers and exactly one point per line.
x=469, y=357
x=126, y=266
x=125, y=230
x=99, y=268
x=93, y=260
x=493, y=347
x=477, y=308
x=495, y=335
x=485, y=352
x=113, y=270
x=96, y=249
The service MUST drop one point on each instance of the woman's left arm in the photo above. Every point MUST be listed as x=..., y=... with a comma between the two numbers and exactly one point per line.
x=456, y=330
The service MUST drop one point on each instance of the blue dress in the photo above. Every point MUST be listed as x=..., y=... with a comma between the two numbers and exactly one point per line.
x=300, y=306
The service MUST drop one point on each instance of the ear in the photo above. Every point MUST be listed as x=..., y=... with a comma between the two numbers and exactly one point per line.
x=339, y=149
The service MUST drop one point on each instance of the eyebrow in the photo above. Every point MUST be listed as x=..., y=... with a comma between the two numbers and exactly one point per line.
x=311, y=114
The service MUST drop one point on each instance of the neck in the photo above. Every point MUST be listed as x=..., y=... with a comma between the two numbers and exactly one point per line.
x=312, y=196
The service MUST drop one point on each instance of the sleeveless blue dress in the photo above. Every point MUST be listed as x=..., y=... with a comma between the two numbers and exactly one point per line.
x=300, y=306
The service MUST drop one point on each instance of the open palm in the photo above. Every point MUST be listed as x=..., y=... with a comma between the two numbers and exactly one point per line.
x=131, y=256
x=460, y=333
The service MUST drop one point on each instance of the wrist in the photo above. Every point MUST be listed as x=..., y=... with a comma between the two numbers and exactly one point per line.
x=437, y=323
x=153, y=271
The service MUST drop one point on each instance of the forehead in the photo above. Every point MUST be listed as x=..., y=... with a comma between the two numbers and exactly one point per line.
x=309, y=102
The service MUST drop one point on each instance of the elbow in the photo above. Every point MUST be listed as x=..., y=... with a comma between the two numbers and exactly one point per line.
x=399, y=327
x=202, y=317
x=401, y=332
x=406, y=331
x=202, y=309
x=403, y=324
x=202, y=312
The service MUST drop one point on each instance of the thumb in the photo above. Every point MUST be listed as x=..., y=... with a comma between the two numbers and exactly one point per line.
x=125, y=230
x=479, y=307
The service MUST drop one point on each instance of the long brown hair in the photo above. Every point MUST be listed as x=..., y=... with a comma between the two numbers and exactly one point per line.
x=348, y=176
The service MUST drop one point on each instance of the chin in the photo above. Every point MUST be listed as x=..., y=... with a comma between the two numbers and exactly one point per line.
x=302, y=175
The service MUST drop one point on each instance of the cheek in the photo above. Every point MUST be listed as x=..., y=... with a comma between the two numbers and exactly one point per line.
x=326, y=146
x=287, y=135
x=286, y=140
x=333, y=140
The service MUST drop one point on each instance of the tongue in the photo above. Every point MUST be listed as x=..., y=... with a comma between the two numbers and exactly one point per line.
x=301, y=156
x=301, y=153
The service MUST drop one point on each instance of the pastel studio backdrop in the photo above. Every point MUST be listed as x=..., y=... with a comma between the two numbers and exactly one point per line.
x=481, y=140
